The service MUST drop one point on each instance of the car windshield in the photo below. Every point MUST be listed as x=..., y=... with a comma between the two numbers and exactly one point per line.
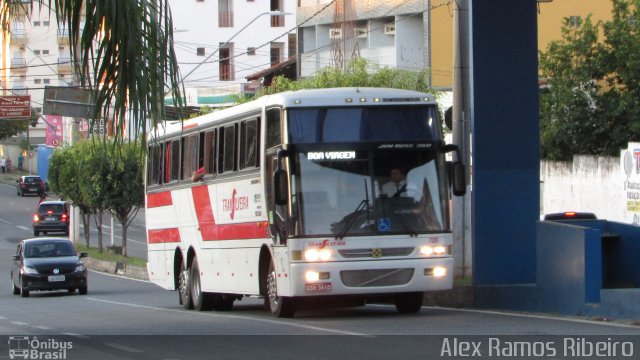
x=49, y=249
x=31, y=180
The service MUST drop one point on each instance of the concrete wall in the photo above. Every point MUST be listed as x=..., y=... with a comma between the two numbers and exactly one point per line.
x=589, y=183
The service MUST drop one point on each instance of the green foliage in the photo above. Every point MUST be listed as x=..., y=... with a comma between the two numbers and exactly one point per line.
x=359, y=73
x=9, y=128
x=590, y=105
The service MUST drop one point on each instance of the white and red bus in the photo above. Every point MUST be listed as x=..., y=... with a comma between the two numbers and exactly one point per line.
x=289, y=201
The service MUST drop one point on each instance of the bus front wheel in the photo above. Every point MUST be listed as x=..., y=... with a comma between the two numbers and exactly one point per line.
x=201, y=301
x=407, y=303
x=280, y=306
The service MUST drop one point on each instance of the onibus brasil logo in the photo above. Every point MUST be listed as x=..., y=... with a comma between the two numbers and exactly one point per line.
x=25, y=347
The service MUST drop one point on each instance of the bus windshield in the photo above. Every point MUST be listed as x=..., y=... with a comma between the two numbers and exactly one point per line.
x=349, y=179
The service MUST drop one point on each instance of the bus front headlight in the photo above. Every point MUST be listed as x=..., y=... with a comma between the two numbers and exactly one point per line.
x=317, y=254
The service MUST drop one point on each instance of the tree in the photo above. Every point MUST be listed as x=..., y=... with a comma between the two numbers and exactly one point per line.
x=358, y=72
x=590, y=104
x=121, y=49
x=124, y=185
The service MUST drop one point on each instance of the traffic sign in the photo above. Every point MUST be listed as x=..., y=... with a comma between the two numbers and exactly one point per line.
x=15, y=106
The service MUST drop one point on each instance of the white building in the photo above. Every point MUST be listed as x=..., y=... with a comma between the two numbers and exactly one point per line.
x=220, y=42
x=37, y=53
x=388, y=33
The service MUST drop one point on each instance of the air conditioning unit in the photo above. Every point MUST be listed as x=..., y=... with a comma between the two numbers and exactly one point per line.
x=335, y=33
x=360, y=33
x=390, y=29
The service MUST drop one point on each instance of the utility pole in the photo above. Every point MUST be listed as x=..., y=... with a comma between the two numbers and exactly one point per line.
x=461, y=119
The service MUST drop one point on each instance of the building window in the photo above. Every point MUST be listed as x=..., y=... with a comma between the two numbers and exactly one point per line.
x=251, y=51
x=36, y=23
x=45, y=23
x=575, y=21
x=225, y=65
x=225, y=13
x=37, y=81
x=46, y=81
x=45, y=52
x=275, y=56
x=36, y=52
x=200, y=51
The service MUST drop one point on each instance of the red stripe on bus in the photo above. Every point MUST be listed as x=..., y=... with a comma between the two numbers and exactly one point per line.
x=204, y=212
x=211, y=231
x=170, y=235
x=159, y=199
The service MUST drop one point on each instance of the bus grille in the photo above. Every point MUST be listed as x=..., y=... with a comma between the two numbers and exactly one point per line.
x=377, y=253
x=379, y=277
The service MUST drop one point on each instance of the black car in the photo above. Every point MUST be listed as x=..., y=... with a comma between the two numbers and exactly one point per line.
x=29, y=184
x=52, y=216
x=43, y=264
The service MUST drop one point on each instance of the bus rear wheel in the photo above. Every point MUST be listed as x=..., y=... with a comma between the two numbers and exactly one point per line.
x=201, y=301
x=184, y=294
x=408, y=303
x=280, y=306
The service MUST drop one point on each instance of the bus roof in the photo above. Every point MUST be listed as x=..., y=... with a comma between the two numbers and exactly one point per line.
x=331, y=97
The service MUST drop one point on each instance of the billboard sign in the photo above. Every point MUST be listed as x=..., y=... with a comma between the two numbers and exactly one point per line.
x=15, y=106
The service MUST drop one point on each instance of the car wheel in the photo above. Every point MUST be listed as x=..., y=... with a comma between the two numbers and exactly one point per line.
x=16, y=290
x=83, y=290
x=280, y=306
x=184, y=293
x=24, y=292
x=202, y=301
x=36, y=233
x=408, y=303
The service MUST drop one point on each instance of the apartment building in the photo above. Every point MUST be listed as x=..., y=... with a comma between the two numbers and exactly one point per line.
x=35, y=55
x=219, y=43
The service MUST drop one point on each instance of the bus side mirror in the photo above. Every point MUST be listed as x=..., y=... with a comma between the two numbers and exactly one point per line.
x=281, y=188
x=458, y=181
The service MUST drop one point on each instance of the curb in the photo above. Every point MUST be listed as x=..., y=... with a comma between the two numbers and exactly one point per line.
x=117, y=268
x=461, y=296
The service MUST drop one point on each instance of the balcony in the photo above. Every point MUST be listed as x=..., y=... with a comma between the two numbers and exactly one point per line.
x=64, y=65
x=63, y=36
x=19, y=36
x=18, y=64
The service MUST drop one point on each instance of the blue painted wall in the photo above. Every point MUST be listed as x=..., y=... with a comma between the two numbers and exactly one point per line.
x=506, y=160
x=44, y=157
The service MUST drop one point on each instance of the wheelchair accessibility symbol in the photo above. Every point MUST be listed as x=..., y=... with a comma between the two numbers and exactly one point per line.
x=384, y=224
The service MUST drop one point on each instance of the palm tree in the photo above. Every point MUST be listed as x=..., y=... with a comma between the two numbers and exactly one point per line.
x=123, y=51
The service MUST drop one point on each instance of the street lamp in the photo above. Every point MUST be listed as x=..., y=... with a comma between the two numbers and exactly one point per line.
x=272, y=13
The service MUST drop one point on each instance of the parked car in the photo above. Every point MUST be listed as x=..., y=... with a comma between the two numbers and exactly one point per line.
x=51, y=216
x=29, y=184
x=44, y=264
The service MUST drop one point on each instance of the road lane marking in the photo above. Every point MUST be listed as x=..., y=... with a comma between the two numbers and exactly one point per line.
x=529, y=316
x=75, y=335
x=239, y=317
x=124, y=348
x=23, y=228
x=42, y=327
x=6, y=222
x=20, y=323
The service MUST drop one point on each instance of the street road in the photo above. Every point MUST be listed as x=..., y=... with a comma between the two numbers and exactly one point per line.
x=108, y=322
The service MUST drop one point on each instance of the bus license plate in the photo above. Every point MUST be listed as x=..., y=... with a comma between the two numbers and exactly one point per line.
x=318, y=287
x=55, y=278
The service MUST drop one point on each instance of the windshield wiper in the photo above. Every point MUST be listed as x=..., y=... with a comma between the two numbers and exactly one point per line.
x=364, y=205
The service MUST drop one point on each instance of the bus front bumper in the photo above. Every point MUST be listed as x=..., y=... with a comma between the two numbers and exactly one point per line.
x=371, y=277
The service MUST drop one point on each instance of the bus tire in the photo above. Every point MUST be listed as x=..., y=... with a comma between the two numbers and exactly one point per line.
x=201, y=301
x=184, y=293
x=280, y=306
x=409, y=303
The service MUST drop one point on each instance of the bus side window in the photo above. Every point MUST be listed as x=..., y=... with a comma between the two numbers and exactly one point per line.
x=227, y=149
x=189, y=155
x=200, y=150
x=273, y=128
x=154, y=170
x=167, y=162
x=175, y=160
x=210, y=152
x=249, y=144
